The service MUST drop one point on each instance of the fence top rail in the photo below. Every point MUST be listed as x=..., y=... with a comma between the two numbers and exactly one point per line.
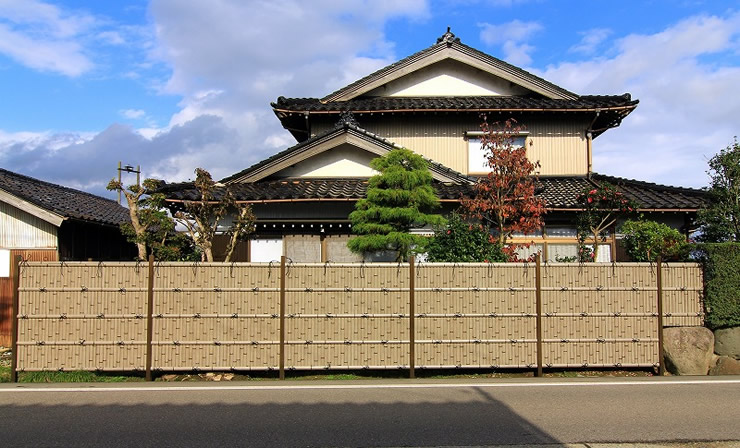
x=419, y=264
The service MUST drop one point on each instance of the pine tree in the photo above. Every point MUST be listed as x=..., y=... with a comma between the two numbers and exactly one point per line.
x=399, y=198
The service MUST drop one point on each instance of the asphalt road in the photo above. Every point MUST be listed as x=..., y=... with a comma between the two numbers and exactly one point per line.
x=364, y=413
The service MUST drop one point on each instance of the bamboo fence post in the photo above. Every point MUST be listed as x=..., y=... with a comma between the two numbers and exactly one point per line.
x=15, y=273
x=282, y=317
x=661, y=355
x=538, y=298
x=149, y=320
x=412, y=329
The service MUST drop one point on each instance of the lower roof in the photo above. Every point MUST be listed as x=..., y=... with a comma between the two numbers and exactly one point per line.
x=559, y=192
x=64, y=202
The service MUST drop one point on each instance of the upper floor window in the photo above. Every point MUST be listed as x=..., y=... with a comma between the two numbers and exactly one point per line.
x=477, y=161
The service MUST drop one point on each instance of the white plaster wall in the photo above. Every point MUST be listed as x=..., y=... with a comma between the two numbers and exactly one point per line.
x=343, y=161
x=448, y=78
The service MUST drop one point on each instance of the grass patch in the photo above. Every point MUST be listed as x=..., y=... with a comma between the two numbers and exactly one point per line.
x=75, y=377
x=4, y=374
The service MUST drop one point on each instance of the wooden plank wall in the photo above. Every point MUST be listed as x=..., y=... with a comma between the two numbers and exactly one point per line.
x=6, y=288
x=215, y=316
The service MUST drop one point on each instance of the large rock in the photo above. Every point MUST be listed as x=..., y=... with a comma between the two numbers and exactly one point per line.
x=727, y=342
x=688, y=350
x=726, y=366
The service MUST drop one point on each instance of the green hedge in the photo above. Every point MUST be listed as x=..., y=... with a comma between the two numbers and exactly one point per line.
x=722, y=279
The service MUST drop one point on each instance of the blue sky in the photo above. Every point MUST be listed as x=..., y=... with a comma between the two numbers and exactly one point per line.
x=172, y=85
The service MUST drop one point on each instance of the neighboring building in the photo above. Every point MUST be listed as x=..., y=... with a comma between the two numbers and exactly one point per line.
x=40, y=221
x=431, y=102
x=58, y=223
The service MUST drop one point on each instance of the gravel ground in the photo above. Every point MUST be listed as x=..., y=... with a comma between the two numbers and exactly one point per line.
x=4, y=356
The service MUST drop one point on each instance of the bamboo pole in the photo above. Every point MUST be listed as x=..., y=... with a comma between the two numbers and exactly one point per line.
x=149, y=320
x=661, y=355
x=538, y=297
x=282, y=317
x=15, y=274
x=412, y=329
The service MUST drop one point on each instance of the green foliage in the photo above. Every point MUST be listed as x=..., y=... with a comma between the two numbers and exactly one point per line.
x=722, y=282
x=75, y=376
x=460, y=241
x=720, y=221
x=601, y=208
x=399, y=198
x=151, y=228
x=645, y=240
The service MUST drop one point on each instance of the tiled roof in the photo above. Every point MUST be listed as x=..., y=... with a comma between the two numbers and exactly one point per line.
x=63, y=201
x=559, y=192
x=448, y=40
x=655, y=196
x=466, y=103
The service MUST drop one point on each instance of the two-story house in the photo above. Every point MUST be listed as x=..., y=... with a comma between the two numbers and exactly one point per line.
x=432, y=102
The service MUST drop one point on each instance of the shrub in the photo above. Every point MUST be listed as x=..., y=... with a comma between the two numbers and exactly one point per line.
x=645, y=240
x=460, y=241
x=722, y=283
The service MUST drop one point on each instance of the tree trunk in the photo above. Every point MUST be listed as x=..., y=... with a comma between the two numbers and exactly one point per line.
x=208, y=251
x=142, y=251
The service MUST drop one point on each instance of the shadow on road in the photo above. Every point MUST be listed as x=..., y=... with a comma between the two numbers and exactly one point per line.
x=325, y=418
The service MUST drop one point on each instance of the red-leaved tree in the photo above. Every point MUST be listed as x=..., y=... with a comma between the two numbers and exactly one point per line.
x=602, y=207
x=504, y=199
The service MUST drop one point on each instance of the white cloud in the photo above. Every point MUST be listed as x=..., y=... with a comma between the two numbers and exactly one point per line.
x=65, y=57
x=591, y=40
x=513, y=37
x=132, y=114
x=252, y=53
x=44, y=37
x=111, y=37
x=688, y=101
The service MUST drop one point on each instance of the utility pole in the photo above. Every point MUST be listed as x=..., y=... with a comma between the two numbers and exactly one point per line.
x=128, y=169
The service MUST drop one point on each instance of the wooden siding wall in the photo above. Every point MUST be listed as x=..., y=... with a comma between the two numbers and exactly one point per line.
x=558, y=144
x=19, y=229
x=227, y=316
x=6, y=289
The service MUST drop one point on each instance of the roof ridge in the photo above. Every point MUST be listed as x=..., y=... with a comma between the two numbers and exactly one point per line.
x=606, y=177
x=448, y=40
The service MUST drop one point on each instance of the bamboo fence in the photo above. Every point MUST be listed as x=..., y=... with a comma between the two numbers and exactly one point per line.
x=157, y=317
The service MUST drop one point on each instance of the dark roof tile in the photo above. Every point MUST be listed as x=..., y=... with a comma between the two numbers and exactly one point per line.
x=559, y=192
x=533, y=103
x=63, y=201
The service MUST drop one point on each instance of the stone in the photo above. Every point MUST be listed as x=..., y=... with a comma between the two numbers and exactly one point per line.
x=726, y=366
x=727, y=342
x=169, y=377
x=688, y=350
x=228, y=376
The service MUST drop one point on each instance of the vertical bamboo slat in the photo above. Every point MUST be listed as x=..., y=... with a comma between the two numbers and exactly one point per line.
x=661, y=356
x=412, y=328
x=538, y=280
x=282, y=317
x=149, y=313
x=15, y=274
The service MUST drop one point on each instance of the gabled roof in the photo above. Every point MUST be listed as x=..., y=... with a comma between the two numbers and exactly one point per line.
x=559, y=192
x=345, y=131
x=449, y=47
x=55, y=203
